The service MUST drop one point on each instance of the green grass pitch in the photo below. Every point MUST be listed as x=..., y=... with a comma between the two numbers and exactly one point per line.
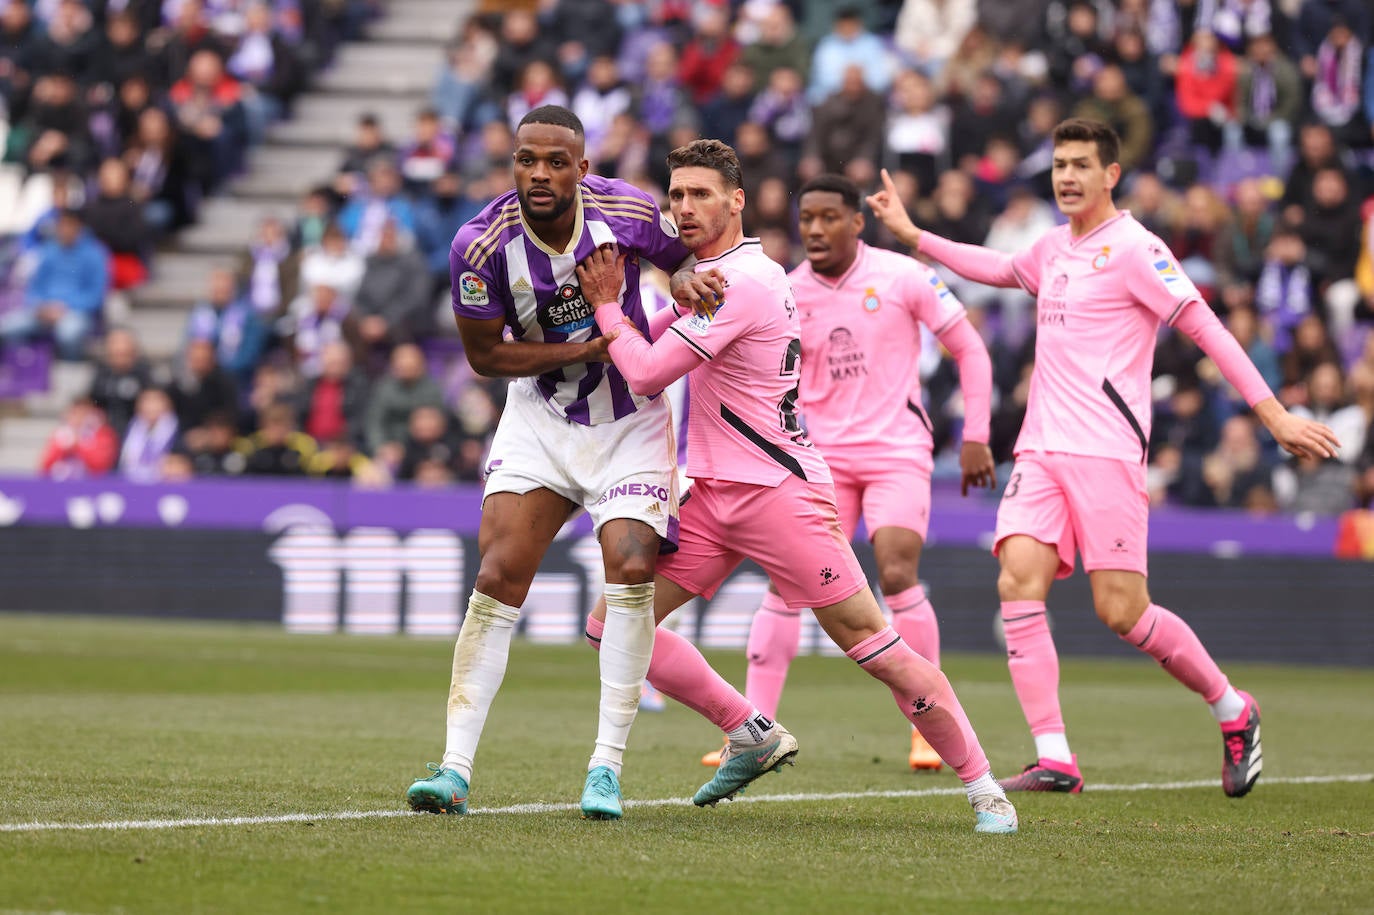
x=106, y=721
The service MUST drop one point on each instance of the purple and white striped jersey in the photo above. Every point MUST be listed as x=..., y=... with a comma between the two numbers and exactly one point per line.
x=500, y=269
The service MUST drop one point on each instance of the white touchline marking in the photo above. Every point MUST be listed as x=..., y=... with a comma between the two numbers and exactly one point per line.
x=115, y=825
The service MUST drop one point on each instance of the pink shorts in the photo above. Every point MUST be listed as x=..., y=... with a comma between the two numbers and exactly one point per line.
x=791, y=530
x=1097, y=506
x=886, y=493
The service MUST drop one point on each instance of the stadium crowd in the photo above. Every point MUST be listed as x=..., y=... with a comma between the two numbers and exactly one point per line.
x=1248, y=145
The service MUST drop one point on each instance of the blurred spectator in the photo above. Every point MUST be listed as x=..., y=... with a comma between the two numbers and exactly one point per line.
x=848, y=44
x=538, y=84
x=661, y=104
x=208, y=104
x=601, y=99
x=165, y=179
x=340, y=459
x=333, y=263
x=83, y=445
x=53, y=131
x=320, y=316
x=406, y=386
x=956, y=212
x=759, y=157
x=278, y=448
x=430, y=451
x=116, y=220
x=521, y=43
x=846, y=132
x=929, y=32
x=438, y=218
x=1316, y=150
x=428, y=155
x=779, y=44
x=151, y=436
x=208, y=449
x=782, y=109
x=66, y=293
x=1285, y=292
x=1244, y=325
x=1268, y=101
x=1205, y=88
x=917, y=127
x=1152, y=203
x=1240, y=244
x=1193, y=236
x=1331, y=229
x=709, y=53
x=1336, y=85
x=118, y=54
x=1311, y=346
x=121, y=374
x=977, y=57
x=1237, y=467
x=1326, y=402
x=202, y=388
x=332, y=405
x=459, y=94
x=226, y=318
x=268, y=68
x=369, y=145
x=393, y=302
x=722, y=114
x=363, y=216
x=1143, y=74
x=269, y=269
x=975, y=118
x=313, y=216
x=1078, y=49
x=1113, y=102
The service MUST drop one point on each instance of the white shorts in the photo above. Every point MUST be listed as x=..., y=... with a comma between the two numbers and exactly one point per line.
x=621, y=469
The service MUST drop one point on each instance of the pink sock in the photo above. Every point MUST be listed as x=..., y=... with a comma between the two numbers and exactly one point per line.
x=1034, y=664
x=1172, y=642
x=926, y=699
x=914, y=620
x=679, y=672
x=773, y=639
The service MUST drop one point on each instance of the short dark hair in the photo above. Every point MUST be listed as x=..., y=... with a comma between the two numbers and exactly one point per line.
x=831, y=183
x=1090, y=131
x=712, y=154
x=555, y=115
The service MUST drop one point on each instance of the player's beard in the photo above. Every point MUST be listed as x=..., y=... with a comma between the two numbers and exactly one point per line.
x=561, y=205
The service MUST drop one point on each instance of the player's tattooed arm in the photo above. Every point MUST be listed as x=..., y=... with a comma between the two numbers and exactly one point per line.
x=493, y=356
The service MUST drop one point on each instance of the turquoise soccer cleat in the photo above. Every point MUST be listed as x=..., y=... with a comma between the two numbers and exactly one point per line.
x=741, y=765
x=443, y=792
x=601, y=796
x=995, y=815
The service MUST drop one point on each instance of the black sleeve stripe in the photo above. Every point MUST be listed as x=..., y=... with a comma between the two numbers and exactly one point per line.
x=700, y=350
x=1120, y=403
x=1021, y=279
x=1178, y=310
x=773, y=451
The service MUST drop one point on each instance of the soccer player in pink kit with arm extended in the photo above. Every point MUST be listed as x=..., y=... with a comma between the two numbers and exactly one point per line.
x=760, y=491
x=1103, y=285
x=861, y=314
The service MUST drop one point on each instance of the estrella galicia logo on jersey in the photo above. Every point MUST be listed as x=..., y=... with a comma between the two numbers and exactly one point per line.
x=1101, y=260
x=1168, y=272
x=472, y=289
x=569, y=311
x=871, y=301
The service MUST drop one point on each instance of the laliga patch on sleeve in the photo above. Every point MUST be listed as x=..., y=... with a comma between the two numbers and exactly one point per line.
x=699, y=324
x=472, y=289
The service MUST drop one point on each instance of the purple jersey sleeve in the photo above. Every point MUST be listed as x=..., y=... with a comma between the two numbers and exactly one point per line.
x=473, y=293
x=656, y=240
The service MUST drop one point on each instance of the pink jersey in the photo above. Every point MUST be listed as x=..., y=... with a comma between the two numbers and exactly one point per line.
x=742, y=363
x=1100, y=300
x=861, y=342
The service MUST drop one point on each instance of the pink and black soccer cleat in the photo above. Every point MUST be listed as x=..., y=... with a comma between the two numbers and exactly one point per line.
x=1047, y=775
x=1241, y=760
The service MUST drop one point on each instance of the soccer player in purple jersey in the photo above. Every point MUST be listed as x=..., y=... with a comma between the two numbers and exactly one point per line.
x=573, y=435
x=760, y=490
x=1103, y=285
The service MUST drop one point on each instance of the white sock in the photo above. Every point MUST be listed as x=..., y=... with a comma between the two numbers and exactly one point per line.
x=626, y=646
x=479, y=665
x=983, y=784
x=1229, y=707
x=1053, y=746
x=756, y=730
